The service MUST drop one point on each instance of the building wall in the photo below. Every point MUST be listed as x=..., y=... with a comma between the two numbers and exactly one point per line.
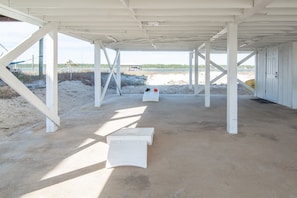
x=260, y=73
x=285, y=74
x=294, y=75
x=286, y=93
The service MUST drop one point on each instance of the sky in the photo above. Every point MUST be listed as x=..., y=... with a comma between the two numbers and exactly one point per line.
x=69, y=48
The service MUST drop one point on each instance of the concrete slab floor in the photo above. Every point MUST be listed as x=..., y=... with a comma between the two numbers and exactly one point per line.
x=192, y=155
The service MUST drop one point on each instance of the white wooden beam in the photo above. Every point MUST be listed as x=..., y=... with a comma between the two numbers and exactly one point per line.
x=245, y=86
x=119, y=73
x=212, y=63
x=191, y=70
x=218, y=77
x=132, y=12
x=246, y=58
x=115, y=4
x=219, y=34
x=109, y=63
x=105, y=87
x=280, y=11
x=241, y=62
x=169, y=4
x=187, y=12
x=207, y=75
x=265, y=18
x=97, y=74
x=232, y=103
x=115, y=63
x=141, y=18
x=12, y=13
x=224, y=72
x=16, y=52
x=196, y=86
x=52, y=78
x=123, y=12
x=249, y=12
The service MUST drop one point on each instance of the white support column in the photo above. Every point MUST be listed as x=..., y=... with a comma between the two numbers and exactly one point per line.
x=232, y=103
x=119, y=74
x=190, y=70
x=207, y=74
x=97, y=74
x=196, y=87
x=52, y=78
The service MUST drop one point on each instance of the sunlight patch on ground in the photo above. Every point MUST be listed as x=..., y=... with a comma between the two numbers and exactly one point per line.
x=86, y=142
x=87, y=186
x=83, y=174
x=91, y=155
x=114, y=125
x=129, y=112
x=123, y=118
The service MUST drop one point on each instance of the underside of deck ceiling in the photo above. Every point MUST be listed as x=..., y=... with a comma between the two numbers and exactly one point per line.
x=166, y=24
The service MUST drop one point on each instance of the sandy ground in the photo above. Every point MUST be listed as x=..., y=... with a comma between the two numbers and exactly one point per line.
x=17, y=114
x=192, y=156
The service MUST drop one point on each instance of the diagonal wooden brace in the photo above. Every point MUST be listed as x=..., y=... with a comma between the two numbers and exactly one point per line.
x=111, y=70
x=224, y=72
x=16, y=84
x=19, y=87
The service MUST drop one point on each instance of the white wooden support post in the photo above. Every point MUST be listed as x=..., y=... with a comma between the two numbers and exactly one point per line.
x=97, y=74
x=232, y=103
x=196, y=87
x=207, y=74
x=119, y=74
x=52, y=78
x=190, y=70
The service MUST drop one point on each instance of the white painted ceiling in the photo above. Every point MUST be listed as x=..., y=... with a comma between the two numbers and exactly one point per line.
x=167, y=24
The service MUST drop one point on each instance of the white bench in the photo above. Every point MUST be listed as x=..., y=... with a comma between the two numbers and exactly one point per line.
x=128, y=147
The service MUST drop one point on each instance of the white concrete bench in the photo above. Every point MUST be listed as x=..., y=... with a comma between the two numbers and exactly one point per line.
x=151, y=94
x=128, y=147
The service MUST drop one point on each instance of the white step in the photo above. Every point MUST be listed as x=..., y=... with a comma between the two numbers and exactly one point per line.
x=128, y=147
x=145, y=134
x=151, y=95
x=127, y=153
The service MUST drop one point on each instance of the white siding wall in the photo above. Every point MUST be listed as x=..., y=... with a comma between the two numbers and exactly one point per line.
x=260, y=73
x=287, y=74
x=294, y=75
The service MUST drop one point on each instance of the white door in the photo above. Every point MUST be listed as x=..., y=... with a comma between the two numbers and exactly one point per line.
x=272, y=74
